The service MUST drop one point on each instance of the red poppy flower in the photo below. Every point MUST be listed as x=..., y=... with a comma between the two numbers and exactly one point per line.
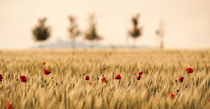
x=138, y=77
x=47, y=72
x=172, y=96
x=189, y=70
x=87, y=78
x=181, y=79
x=43, y=63
x=104, y=80
x=118, y=77
x=1, y=77
x=23, y=78
x=9, y=106
x=140, y=73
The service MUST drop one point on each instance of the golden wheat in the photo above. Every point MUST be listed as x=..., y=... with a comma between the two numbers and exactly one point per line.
x=66, y=87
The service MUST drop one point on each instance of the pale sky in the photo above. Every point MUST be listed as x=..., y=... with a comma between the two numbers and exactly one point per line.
x=187, y=22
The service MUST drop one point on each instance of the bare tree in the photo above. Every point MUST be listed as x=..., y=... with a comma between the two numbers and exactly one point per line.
x=73, y=30
x=91, y=34
x=136, y=31
x=41, y=32
x=160, y=35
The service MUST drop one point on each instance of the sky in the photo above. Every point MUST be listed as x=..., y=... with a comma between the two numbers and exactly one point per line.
x=186, y=22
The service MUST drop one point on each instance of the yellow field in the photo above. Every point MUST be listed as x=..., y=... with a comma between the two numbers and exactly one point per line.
x=66, y=86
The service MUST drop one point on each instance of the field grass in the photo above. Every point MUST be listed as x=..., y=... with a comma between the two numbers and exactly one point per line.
x=66, y=86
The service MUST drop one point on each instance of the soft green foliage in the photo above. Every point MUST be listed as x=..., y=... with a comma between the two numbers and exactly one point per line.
x=136, y=31
x=41, y=32
x=91, y=34
x=65, y=87
x=73, y=30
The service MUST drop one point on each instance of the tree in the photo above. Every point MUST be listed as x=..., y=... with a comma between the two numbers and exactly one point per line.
x=91, y=33
x=74, y=31
x=41, y=32
x=136, y=31
x=160, y=35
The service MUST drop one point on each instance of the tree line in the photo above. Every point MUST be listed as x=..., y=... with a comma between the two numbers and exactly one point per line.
x=42, y=32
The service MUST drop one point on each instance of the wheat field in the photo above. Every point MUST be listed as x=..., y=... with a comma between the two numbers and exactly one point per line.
x=66, y=88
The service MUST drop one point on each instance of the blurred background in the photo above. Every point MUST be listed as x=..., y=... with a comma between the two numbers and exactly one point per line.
x=105, y=24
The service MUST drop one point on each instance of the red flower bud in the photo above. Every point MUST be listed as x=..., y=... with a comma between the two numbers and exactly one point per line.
x=43, y=63
x=172, y=96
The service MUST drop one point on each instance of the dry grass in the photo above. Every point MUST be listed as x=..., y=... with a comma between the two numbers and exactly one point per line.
x=66, y=87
